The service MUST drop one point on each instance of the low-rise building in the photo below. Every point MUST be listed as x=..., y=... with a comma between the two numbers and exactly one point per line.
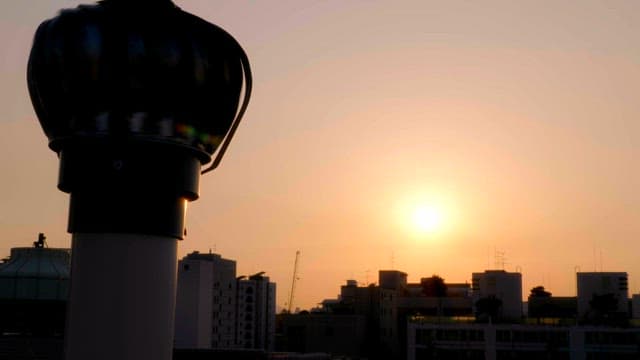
x=458, y=340
x=602, y=294
x=335, y=334
x=501, y=286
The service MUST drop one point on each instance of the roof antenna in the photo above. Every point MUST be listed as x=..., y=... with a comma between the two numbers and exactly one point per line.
x=41, y=242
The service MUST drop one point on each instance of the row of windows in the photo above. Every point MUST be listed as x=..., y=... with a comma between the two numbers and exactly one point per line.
x=554, y=339
x=427, y=336
x=386, y=295
x=221, y=314
x=559, y=338
x=449, y=354
x=216, y=285
x=611, y=338
x=532, y=355
x=214, y=329
x=469, y=354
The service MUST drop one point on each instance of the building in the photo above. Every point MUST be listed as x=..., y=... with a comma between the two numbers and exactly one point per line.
x=217, y=310
x=206, y=302
x=558, y=307
x=602, y=294
x=458, y=340
x=635, y=306
x=500, y=285
x=34, y=287
x=335, y=334
x=256, y=312
x=375, y=316
x=556, y=327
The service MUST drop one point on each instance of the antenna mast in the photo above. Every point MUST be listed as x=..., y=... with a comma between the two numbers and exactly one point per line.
x=293, y=282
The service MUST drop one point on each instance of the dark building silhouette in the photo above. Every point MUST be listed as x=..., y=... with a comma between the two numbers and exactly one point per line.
x=564, y=307
x=34, y=286
x=373, y=318
x=338, y=334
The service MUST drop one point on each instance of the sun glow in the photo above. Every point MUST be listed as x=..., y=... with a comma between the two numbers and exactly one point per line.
x=425, y=215
x=426, y=219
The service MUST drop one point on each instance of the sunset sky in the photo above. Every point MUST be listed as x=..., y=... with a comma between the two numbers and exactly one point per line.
x=420, y=135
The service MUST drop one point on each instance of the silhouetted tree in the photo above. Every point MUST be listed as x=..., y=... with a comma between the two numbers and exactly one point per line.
x=434, y=286
x=488, y=308
x=604, y=310
x=539, y=291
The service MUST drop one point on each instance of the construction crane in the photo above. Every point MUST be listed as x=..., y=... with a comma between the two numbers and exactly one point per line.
x=293, y=282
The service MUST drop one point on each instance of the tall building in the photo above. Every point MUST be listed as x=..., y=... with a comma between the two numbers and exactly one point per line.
x=256, y=312
x=503, y=286
x=600, y=288
x=206, y=302
x=217, y=310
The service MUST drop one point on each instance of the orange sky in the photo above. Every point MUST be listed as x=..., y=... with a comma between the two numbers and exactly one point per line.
x=520, y=118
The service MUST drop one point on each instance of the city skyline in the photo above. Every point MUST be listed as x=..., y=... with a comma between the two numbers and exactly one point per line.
x=517, y=121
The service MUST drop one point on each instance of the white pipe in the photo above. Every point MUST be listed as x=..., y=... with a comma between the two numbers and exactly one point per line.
x=122, y=298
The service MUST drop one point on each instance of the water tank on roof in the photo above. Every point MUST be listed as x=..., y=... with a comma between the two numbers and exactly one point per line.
x=35, y=273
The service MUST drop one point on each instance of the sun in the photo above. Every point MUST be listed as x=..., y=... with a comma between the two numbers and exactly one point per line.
x=426, y=215
x=426, y=219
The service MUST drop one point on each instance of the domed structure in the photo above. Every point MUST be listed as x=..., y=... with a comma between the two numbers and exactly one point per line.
x=36, y=273
x=34, y=287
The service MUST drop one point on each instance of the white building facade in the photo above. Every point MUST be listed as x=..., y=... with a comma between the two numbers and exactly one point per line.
x=217, y=310
x=206, y=302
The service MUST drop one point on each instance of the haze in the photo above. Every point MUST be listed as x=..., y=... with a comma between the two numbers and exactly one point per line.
x=518, y=118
